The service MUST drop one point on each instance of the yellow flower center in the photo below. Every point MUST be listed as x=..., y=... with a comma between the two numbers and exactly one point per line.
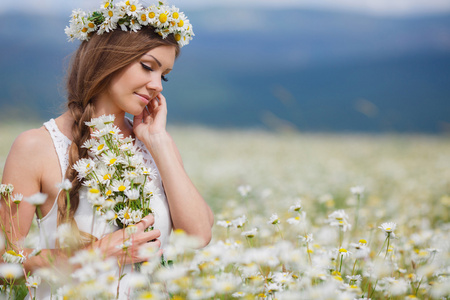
x=147, y=295
x=363, y=241
x=126, y=215
x=163, y=18
x=94, y=191
x=297, y=218
x=389, y=228
x=106, y=4
x=88, y=165
x=127, y=3
x=108, y=193
x=91, y=25
x=9, y=275
x=112, y=161
x=100, y=147
x=133, y=7
x=175, y=15
x=342, y=250
x=151, y=15
x=143, y=18
x=12, y=252
x=84, y=29
x=110, y=13
x=181, y=23
x=106, y=177
x=122, y=188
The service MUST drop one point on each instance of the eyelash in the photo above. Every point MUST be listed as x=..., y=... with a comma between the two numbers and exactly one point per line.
x=164, y=78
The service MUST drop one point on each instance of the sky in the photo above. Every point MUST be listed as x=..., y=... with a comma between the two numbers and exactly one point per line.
x=376, y=7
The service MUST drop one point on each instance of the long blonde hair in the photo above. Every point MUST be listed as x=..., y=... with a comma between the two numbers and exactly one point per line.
x=92, y=67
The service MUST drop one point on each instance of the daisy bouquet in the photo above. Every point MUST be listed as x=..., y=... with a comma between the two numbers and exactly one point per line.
x=118, y=182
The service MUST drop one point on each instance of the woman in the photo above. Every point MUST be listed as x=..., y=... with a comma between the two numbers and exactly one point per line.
x=112, y=72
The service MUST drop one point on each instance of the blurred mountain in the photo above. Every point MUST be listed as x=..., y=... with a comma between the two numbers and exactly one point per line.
x=296, y=69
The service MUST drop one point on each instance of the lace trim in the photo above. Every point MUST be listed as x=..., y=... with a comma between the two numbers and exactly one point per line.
x=61, y=144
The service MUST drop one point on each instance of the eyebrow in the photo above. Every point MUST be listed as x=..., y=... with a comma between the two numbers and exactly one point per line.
x=157, y=61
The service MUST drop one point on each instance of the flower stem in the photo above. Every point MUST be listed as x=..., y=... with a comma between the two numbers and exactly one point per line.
x=354, y=265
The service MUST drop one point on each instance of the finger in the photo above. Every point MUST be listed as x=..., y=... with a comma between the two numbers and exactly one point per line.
x=162, y=99
x=146, y=222
x=145, y=237
x=155, y=103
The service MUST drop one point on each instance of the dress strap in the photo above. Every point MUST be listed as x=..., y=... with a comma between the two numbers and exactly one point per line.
x=61, y=144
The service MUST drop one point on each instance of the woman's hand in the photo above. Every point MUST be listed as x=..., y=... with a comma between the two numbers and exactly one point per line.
x=118, y=243
x=152, y=120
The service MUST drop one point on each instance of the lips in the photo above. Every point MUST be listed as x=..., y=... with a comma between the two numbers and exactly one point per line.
x=144, y=98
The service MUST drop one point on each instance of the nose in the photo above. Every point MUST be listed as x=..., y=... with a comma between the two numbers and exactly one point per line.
x=155, y=83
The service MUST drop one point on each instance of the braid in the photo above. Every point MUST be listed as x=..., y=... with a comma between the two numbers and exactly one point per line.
x=80, y=134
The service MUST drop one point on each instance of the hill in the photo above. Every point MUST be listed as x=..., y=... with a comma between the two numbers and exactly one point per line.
x=302, y=69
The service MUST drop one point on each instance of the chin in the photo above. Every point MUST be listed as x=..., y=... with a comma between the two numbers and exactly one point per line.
x=135, y=111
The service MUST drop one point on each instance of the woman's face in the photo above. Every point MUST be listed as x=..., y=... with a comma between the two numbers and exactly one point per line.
x=140, y=82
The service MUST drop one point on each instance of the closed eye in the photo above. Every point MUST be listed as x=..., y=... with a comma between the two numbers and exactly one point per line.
x=148, y=68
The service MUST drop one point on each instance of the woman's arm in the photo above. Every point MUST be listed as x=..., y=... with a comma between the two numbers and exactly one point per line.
x=188, y=209
x=25, y=168
x=22, y=169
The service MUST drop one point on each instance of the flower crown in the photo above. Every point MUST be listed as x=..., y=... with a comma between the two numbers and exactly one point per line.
x=130, y=15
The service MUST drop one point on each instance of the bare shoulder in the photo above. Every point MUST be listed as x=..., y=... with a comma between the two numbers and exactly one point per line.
x=33, y=141
x=30, y=146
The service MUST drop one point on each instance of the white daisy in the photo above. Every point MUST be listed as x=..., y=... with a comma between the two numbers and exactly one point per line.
x=224, y=223
x=307, y=238
x=133, y=8
x=17, y=198
x=143, y=18
x=388, y=229
x=10, y=271
x=6, y=189
x=343, y=252
x=339, y=218
x=163, y=17
x=101, y=121
x=120, y=185
x=110, y=215
x=244, y=190
x=357, y=190
x=135, y=25
x=274, y=219
x=105, y=174
x=13, y=257
x=128, y=216
x=110, y=158
x=240, y=222
x=250, y=233
x=296, y=207
x=64, y=185
x=133, y=194
x=83, y=167
x=33, y=281
x=89, y=144
x=36, y=199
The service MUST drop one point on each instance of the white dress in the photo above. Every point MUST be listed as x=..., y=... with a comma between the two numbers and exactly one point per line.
x=84, y=215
